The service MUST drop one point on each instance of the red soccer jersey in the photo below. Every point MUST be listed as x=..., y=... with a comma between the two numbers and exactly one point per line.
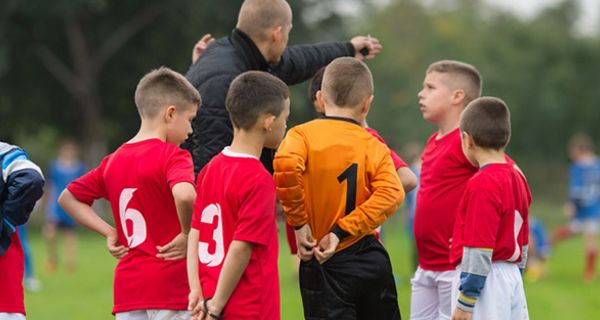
x=398, y=162
x=493, y=214
x=137, y=180
x=444, y=174
x=236, y=201
x=11, y=278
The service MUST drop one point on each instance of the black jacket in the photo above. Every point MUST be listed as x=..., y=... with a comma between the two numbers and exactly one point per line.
x=227, y=58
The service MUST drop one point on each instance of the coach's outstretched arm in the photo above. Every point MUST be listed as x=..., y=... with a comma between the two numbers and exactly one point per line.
x=300, y=62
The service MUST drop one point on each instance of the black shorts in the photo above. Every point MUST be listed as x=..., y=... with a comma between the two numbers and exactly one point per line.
x=356, y=283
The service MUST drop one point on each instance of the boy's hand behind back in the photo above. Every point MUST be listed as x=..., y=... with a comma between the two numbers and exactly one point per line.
x=305, y=243
x=174, y=250
x=112, y=243
x=326, y=247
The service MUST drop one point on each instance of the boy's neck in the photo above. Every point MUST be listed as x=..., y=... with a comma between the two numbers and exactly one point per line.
x=249, y=142
x=450, y=122
x=350, y=113
x=150, y=129
x=488, y=156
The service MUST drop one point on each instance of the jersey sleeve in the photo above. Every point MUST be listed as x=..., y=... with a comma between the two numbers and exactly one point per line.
x=90, y=186
x=398, y=162
x=482, y=217
x=199, y=202
x=289, y=166
x=386, y=196
x=180, y=168
x=256, y=214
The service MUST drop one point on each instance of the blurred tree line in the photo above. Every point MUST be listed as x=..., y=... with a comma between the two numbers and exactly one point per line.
x=70, y=67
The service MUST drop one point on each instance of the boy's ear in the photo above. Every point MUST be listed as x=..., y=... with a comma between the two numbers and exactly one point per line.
x=458, y=96
x=170, y=113
x=320, y=100
x=268, y=121
x=468, y=139
x=366, y=105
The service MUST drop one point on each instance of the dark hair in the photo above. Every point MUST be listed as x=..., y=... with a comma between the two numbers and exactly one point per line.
x=315, y=85
x=254, y=93
x=347, y=82
x=487, y=121
x=465, y=77
x=163, y=87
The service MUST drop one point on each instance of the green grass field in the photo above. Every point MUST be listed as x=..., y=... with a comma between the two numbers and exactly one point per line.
x=87, y=293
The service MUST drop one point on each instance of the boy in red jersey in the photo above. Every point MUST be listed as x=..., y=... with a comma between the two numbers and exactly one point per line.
x=149, y=182
x=233, y=244
x=491, y=232
x=448, y=87
x=21, y=185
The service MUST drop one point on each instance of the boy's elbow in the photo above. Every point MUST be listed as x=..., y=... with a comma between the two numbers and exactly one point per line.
x=407, y=178
x=186, y=195
x=64, y=198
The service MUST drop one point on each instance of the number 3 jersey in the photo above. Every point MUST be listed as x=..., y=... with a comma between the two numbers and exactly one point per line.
x=137, y=180
x=236, y=201
x=332, y=173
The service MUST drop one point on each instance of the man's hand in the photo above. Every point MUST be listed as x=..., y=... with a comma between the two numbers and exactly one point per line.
x=112, y=243
x=459, y=314
x=200, y=46
x=326, y=247
x=370, y=43
x=174, y=250
x=305, y=242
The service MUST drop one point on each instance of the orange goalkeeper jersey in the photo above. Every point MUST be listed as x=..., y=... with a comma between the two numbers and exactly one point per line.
x=331, y=171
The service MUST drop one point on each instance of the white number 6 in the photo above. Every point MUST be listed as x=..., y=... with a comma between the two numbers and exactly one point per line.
x=138, y=234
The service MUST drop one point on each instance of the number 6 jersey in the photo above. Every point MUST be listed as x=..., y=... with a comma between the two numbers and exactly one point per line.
x=331, y=173
x=137, y=180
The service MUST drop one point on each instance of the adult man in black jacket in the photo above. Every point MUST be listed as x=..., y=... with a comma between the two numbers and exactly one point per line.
x=258, y=43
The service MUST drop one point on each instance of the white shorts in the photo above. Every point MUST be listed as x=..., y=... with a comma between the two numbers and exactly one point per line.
x=588, y=226
x=502, y=296
x=431, y=293
x=154, y=314
x=11, y=316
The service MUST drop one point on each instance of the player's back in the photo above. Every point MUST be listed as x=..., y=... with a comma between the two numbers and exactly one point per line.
x=341, y=161
x=236, y=201
x=137, y=180
x=496, y=202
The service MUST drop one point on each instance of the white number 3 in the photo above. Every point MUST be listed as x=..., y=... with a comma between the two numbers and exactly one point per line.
x=214, y=259
x=138, y=234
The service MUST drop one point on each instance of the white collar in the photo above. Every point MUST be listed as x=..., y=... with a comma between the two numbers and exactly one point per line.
x=229, y=153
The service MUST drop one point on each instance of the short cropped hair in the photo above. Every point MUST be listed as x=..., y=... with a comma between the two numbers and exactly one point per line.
x=315, y=85
x=487, y=121
x=252, y=94
x=163, y=87
x=464, y=76
x=581, y=142
x=347, y=82
x=258, y=17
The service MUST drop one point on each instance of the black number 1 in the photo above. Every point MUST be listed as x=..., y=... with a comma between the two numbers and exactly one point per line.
x=350, y=175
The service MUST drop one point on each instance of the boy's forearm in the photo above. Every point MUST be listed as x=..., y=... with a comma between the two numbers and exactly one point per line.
x=192, y=260
x=373, y=212
x=83, y=214
x=184, y=195
x=476, y=265
x=235, y=264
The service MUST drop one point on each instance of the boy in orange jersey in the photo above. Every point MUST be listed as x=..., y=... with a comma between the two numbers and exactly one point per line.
x=337, y=184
